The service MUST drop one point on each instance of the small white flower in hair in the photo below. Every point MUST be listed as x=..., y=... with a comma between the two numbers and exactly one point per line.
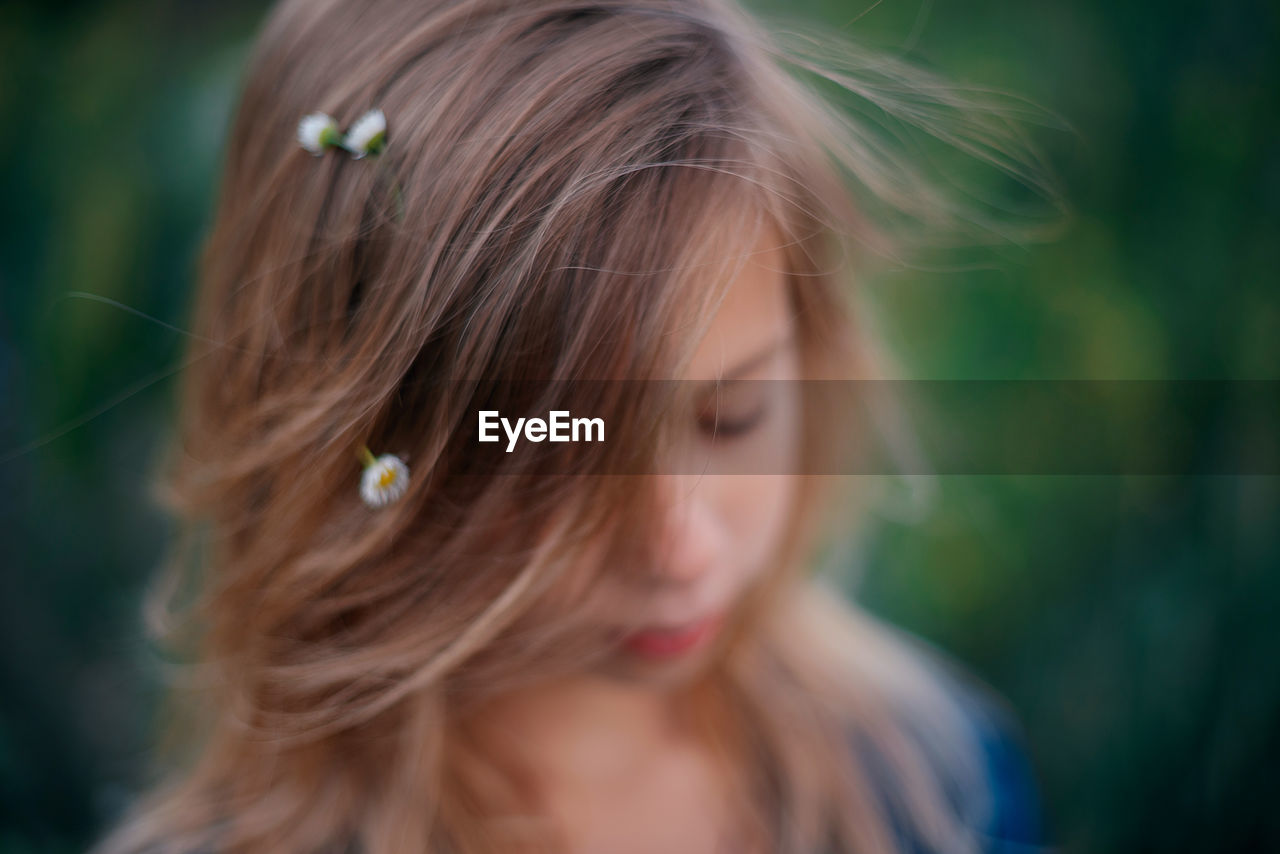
x=318, y=131
x=368, y=135
x=385, y=478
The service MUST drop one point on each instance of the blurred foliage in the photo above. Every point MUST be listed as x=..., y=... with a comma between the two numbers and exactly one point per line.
x=1130, y=621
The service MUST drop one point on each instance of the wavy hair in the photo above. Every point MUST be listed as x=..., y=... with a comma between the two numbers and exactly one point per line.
x=562, y=183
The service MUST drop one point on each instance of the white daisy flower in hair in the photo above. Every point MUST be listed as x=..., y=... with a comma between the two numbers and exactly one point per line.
x=317, y=131
x=368, y=135
x=385, y=478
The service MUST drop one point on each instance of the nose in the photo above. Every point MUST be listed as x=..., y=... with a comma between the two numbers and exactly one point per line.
x=689, y=534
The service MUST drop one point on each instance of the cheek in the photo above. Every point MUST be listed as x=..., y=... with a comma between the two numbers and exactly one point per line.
x=757, y=509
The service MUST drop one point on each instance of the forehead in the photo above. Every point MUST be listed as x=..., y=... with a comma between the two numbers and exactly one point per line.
x=755, y=311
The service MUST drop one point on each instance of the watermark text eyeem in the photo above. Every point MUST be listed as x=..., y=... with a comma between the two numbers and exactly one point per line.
x=558, y=426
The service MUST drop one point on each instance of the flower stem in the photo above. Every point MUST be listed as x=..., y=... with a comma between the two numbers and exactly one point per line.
x=366, y=456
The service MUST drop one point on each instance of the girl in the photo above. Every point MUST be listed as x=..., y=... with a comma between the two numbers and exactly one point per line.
x=437, y=208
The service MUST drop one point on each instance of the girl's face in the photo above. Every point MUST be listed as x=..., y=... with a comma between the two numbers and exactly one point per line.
x=719, y=527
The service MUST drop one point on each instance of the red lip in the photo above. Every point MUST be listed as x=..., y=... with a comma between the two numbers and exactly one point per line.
x=670, y=643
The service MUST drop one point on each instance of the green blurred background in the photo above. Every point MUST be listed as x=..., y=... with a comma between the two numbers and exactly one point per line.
x=1132, y=622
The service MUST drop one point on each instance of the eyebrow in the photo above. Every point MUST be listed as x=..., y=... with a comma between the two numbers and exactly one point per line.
x=755, y=360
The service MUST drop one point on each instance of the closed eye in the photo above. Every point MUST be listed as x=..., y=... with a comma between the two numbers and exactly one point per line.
x=719, y=425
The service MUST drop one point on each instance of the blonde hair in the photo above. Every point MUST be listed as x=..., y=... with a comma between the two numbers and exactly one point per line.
x=561, y=184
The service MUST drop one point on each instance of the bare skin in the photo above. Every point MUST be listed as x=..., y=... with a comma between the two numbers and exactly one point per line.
x=617, y=770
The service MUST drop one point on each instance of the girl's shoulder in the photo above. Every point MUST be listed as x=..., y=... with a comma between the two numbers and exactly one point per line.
x=997, y=796
x=1014, y=820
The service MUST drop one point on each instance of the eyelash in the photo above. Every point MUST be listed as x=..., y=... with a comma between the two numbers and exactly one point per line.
x=719, y=428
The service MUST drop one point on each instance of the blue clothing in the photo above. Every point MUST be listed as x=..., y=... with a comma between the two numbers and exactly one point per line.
x=1004, y=812
x=1016, y=825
